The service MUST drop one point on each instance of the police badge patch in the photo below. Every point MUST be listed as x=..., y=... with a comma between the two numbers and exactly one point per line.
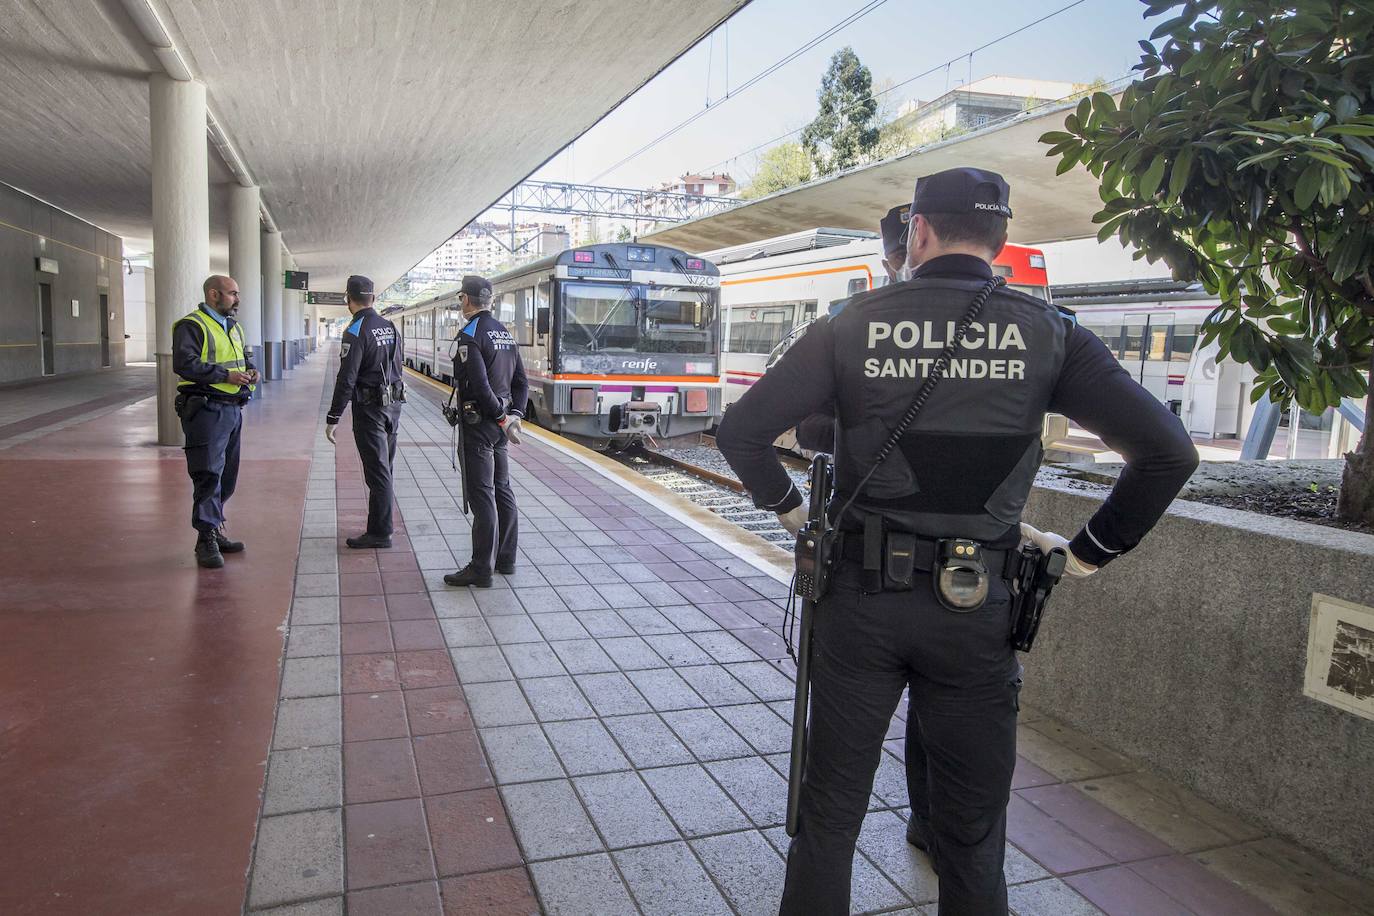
x=462, y=353
x=343, y=350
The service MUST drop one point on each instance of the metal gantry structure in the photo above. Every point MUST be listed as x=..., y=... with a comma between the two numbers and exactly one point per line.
x=620, y=203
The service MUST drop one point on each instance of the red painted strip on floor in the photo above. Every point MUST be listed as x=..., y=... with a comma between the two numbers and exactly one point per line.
x=137, y=692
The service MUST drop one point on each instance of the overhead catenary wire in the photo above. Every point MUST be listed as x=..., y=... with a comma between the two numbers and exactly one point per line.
x=849, y=20
x=945, y=65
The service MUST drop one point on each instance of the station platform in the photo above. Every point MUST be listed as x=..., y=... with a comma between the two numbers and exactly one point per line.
x=314, y=730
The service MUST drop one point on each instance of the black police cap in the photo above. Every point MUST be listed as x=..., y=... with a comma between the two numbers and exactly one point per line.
x=478, y=288
x=962, y=191
x=359, y=286
x=894, y=228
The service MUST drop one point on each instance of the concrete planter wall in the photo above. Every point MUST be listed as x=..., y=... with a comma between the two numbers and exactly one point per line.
x=1189, y=654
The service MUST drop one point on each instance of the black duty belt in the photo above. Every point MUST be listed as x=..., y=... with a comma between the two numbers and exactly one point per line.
x=851, y=547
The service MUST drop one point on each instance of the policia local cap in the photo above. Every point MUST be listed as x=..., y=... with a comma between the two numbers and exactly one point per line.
x=894, y=228
x=962, y=191
x=478, y=288
x=359, y=287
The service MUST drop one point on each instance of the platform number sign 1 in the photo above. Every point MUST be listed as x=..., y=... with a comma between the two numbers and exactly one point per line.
x=297, y=279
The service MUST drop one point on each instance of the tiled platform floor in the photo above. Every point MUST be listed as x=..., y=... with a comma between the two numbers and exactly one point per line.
x=606, y=732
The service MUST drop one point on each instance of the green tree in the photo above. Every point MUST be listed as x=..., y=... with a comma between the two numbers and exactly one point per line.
x=1244, y=157
x=845, y=128
x=624, y=235
x=780, y=167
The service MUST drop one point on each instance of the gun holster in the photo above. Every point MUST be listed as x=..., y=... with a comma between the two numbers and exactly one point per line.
x=188, y=405
x=1037, y=574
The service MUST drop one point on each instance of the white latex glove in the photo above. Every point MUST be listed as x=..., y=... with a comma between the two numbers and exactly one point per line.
x=1047, y=541
x=330, y=431
x=512, y=427
x=793, y=521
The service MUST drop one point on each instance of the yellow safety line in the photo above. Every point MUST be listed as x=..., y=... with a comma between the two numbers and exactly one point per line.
x=769, y=557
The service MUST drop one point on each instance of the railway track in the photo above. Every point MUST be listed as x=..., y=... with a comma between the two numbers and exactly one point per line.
x=701, y=475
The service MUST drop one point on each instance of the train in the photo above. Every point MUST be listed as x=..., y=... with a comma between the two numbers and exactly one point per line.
x=620, y=341
x=771, y=290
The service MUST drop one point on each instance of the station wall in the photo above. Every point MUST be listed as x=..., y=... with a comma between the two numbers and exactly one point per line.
x=51, y=323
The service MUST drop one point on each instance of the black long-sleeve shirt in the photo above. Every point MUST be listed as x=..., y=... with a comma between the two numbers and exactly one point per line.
x=488, y=368
x=369, y=357
x=188, y=340
x=1092, y=389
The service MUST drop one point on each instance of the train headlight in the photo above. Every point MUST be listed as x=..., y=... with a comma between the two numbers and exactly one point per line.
x=584, y=400
x=697, y=400
x=702, y=368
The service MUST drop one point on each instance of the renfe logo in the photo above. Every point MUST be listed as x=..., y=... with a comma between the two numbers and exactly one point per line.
x=640, y=365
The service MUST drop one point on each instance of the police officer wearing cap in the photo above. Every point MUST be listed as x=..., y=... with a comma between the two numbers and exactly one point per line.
x=902, y=607
x=217, y=379
x=493, y=391
x=370, y=377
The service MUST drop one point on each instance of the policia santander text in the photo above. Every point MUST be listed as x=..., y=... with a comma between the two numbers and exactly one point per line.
x=962, y=470
x=370, y=377
x=217, y=379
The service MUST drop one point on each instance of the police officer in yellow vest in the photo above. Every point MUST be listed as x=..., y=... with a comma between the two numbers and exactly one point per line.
x=217, y=379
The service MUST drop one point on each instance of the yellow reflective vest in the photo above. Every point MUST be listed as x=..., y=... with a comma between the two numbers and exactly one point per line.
x=220, y=347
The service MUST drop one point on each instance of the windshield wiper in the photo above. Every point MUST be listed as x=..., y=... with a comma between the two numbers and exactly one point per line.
x=701, y=294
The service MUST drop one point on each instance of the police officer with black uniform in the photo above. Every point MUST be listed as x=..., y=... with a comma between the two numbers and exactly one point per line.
x=922, y=506
x=217, y=379
x=493, y=392
x=370, y=376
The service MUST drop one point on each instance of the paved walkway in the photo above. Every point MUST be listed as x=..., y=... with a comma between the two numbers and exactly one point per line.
x=606, y=732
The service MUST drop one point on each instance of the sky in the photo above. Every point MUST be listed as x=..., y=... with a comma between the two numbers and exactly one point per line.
x=897, y=40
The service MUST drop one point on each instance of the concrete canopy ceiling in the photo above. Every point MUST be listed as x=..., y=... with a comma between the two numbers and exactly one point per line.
x=1046, y=208
x=376, y=128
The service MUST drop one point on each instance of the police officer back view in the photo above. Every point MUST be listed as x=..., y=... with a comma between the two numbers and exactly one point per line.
x=217, y=379
x=370, y=377
x=493, y=392
x=903, y=606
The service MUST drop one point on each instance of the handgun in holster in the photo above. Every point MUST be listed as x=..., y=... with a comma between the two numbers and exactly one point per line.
x=187, y=406
x=1037, y=573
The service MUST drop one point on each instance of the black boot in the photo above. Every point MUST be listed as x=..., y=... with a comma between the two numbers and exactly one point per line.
x=506, y=569
x=207, y=551
x=368, y=542
x=469, y=575
x=225, y=544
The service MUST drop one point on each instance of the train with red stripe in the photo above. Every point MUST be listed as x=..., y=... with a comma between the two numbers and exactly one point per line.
x=772, y=289
x=620, y=341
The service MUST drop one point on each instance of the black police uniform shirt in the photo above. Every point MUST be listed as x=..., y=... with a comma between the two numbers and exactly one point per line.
x=488, y=368
x=370, y=357
x=188, y=338
x=968, y=463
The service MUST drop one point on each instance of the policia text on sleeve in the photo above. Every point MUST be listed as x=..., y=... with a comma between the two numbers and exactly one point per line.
x=370, y=378
x=958, y=477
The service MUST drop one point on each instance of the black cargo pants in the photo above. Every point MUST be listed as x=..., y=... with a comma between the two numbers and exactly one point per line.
x=212, y=459
x=494, y=514
x=374, y=430
x=964, y=680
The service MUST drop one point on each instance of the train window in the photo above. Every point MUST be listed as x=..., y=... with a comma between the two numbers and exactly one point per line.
x=634, y=319
x=760, y=328
x=506, y=309
x=1133, y=346
x=1183, y=343
x=1159, y=342
x=1110, y=334
x=1036, y=291
x=857, y=285
x=521, y=325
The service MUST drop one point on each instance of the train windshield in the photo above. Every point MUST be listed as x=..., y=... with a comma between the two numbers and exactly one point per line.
x=634, y=318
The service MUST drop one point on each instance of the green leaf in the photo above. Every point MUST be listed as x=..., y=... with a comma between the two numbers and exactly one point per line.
x=1320, y=120
x=1353, y=130
x=1140, y=115
x=1169, y=25
x=1109, y=228
x=1104, y=104
x=1347, y=106
x=1085, y=109
x=1179, y=174
x=1056, y=136
x=1149, y=182
x=1069, y=161
x=1309, y=183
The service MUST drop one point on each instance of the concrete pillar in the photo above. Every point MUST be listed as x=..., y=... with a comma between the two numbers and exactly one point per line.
x=245, y=264
x=181, y=223
x=271, y=305
x=314, y=327
x=291, y=318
